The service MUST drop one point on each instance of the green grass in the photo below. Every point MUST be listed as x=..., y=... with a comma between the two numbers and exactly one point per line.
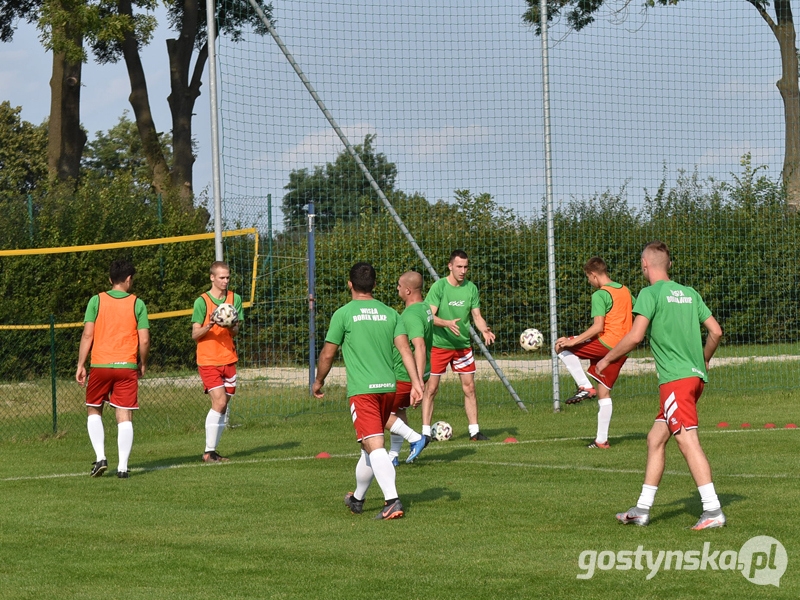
x=484, y=520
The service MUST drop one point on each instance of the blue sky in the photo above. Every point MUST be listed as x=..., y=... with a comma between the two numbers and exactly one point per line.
x=453, y=91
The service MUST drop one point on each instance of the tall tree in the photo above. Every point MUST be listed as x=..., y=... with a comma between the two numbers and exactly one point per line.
x=580, y=13
x=188, y=55
x=339, y=190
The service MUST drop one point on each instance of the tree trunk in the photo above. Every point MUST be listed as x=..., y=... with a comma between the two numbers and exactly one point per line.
x=140, y=102
x=183, y=94
x=66, y=139
x=790, y=93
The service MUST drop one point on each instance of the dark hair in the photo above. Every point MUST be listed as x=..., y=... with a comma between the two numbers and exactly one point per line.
x=362, y=276
x=595, y=265
x=220, y=264
x=457, y=254
x=120, y=270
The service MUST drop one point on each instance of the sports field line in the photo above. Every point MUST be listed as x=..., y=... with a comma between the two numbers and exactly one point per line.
x=452, y=446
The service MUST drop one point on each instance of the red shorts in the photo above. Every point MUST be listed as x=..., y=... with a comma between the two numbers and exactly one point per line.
x=217, y=377
x=594, y=350
x=402, y=397
x=679, y=403
x=118, y=387
x=461, y=360
x=370, y=413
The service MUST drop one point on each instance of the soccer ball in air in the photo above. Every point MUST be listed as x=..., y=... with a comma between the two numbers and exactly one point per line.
x=531, y=339
x=225, y=315
x=441, y=431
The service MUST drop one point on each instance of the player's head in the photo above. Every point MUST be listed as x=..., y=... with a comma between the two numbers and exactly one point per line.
x=596, y=271
x=120, y=271
x=362, y=277
x=409, y=284
x=458, y=265
x=655, y=258
x=220, y=275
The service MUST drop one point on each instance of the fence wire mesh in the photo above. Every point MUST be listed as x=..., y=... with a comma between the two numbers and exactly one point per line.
x=667, y=124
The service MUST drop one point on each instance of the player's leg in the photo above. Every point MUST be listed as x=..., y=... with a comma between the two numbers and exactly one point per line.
x=571, y=360
x=471, y=406
x=656, y=455
x=604, y=383
x=684, y=395
x=383, y=470
x=97, y=390
x=440, y=358
x=397, y=424
x=215, y=423
x=604, y=411
x=124, y=440
x=125, y=400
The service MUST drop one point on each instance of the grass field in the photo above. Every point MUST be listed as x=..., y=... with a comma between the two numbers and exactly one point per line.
x=484, y=520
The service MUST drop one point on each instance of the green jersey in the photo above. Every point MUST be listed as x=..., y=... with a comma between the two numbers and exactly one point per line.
x=418, y=321
x=139, y=309
x=675, y=313
x=199, y=313
x=453, y=302
x=365, y=329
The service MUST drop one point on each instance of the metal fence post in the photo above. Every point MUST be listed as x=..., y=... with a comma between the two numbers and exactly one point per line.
x=53, y=372
x=312, y=284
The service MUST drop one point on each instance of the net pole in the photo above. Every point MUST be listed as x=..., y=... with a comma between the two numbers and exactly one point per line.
x=312, y=295
x=212, y=87
x=374, y=185
x=548, y=170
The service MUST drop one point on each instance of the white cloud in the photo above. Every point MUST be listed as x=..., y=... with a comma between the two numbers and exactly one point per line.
x=322, y=147
x=425, y=143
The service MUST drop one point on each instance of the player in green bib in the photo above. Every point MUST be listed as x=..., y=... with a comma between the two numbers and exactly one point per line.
x=418, y=321
x=367, y=331
x=671, y=315
x=453, y=300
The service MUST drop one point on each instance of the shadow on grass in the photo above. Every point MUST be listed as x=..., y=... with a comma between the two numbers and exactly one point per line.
x=691, y=505
x=622, y=440
x=174, y=461
x=430, y=495
x=454, y=455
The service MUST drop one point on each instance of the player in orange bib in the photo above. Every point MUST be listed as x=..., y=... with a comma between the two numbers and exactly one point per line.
x=115, y=330
x=612, y=306
x=216, y=354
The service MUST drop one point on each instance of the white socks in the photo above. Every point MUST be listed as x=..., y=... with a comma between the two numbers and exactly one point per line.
x=709, y=497
x=426, y=430
x=124, y=443
x=573, y=364
x=363, y=476
x=215, y=425
x=603, y=419
x=405, y=431
x=397, y=443
x=383, y=469
x=97, y=435
x=647, y=497
x=474, y=429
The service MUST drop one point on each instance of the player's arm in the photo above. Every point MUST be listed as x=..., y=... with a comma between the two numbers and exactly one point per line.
x=712, y=339
x=480, y=325
x=324, y=364
x=451, y=324
x=598, y=326
x=420, y=355
x=632, y=339
x=401, y=343
x=87, y=338
x=144, y=349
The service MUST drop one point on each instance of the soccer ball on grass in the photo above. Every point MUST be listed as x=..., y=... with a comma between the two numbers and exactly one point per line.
x=531, y=339
x=225, y=315
x=441, y=431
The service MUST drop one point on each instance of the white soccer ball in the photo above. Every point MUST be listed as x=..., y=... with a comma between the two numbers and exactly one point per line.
x=531, y=339
x=441, y=431
x=225, y=315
